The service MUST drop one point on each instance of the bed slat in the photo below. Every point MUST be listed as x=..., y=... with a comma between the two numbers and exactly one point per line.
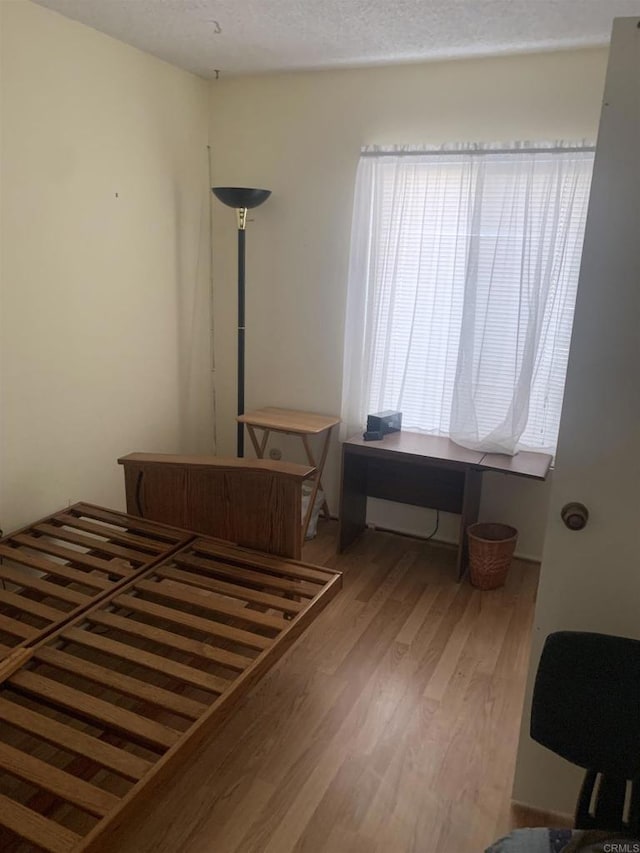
x=183, y=595
x=179, y=617
x=130, y=724
x=115, y=535
x=52, y=731
x=21, y=602
x=41, y=543
x=29, y=581
x=17, y=628
x=133, y=523
x=287, y=568
x=56, y=569
x=93, y=544
x=261, y=579
x=170, y=640
x=123, y=683
x=243, y=593
x=30, y=825
x=146, y=659
x=57, y=782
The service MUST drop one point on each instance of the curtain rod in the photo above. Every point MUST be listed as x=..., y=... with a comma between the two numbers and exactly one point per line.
x=483, y=152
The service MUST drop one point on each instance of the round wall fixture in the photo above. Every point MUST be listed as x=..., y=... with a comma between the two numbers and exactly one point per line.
x=575, y=515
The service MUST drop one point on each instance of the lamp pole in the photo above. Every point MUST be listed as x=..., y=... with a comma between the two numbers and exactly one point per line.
x=242, y=232
x=242, y=199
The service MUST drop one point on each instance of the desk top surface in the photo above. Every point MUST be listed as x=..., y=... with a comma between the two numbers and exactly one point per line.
x=526, y=463
x=418, y=444
x=440, y=448
x=287, y=420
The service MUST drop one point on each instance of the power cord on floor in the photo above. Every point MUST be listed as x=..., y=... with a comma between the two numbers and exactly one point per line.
x=435, y=529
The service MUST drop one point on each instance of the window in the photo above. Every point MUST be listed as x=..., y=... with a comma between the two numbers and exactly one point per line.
x=462, y=284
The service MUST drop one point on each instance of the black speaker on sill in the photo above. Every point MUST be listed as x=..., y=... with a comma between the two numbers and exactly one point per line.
x=381, y=424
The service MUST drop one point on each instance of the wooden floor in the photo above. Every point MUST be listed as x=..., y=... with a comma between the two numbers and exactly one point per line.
x=391, y=725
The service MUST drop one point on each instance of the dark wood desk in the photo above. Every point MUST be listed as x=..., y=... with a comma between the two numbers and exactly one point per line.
x=422, y=470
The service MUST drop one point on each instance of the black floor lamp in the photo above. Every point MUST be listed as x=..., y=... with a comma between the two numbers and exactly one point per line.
x=242, y=198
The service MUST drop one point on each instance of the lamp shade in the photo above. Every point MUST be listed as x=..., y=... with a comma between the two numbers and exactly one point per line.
x=240, y=197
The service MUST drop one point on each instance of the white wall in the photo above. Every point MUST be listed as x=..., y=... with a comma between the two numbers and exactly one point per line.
x=590, y=580
x=104, y=265
x=300, y=135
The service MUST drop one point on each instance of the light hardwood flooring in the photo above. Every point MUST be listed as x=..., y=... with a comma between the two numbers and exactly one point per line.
x=391, y=726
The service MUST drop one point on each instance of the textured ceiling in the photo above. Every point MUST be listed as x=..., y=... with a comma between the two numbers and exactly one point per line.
x=241, y=36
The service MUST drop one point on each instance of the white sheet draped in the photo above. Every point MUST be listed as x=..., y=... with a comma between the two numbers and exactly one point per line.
x=462, y=282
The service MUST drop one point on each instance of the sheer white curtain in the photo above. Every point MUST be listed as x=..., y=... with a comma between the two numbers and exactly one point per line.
x=462, y=281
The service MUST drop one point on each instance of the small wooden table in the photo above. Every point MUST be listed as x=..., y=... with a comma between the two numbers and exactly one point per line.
x=423, y=470
x=303, y=424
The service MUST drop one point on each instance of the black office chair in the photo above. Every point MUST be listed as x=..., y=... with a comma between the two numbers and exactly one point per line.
x=586, y=708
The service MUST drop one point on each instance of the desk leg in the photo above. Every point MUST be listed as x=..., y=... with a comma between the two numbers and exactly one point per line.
x=353, y=498
x=319, y=466
x=469, y=515
x=259, y=447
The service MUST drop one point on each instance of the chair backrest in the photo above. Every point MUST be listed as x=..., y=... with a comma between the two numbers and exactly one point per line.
x=252, y=502
x=586, y=708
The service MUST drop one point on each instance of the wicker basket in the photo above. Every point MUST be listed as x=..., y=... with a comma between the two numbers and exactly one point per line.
x=491, y=548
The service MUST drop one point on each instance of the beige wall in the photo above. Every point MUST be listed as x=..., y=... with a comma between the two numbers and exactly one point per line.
x=300, y=134
x=105, y=261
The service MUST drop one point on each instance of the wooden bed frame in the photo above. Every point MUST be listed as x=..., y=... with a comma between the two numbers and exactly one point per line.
x=80, y=555
x=98, y=707
x=254, y=502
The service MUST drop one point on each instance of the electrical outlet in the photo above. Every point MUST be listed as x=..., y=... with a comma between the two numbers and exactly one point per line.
x=275, y=453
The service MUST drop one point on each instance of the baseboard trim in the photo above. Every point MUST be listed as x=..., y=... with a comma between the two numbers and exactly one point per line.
x=523, y=815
